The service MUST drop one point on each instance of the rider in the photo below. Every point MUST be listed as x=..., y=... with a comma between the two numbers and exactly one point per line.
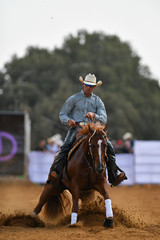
x=76, y=112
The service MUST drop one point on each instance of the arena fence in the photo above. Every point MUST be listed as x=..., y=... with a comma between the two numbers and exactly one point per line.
x=142, y=167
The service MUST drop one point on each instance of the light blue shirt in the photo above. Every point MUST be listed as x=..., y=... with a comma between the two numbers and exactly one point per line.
x=78, y=105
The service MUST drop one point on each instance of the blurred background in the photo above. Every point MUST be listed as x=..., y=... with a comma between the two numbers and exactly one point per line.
x=47, y=45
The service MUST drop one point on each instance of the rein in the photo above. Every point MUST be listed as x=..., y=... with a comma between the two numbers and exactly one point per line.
x=90, y=167
x=90, y=151
x=89, y=141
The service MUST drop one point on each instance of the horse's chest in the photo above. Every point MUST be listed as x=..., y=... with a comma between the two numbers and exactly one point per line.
x=88, y=181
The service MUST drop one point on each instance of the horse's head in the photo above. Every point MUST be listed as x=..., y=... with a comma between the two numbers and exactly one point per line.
x=97, y=148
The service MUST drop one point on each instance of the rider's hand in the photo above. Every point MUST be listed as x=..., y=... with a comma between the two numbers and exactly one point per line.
x=71, y=123
x=90, y=115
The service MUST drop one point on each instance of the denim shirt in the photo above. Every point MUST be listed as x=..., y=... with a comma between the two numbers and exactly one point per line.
x=78, y=105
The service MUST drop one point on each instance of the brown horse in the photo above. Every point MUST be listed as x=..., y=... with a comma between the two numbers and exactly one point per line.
x=85, y=170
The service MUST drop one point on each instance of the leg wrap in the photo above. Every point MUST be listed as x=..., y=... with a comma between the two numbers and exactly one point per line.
x=108, y=205
x=73, y=218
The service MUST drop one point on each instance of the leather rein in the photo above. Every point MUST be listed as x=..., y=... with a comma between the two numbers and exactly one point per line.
x=90, y=151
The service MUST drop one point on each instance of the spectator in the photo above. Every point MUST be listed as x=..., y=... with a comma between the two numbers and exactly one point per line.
x=41, y=146
x=52, y=145
x=120, y=146
x=128, y=142
x=127, y=147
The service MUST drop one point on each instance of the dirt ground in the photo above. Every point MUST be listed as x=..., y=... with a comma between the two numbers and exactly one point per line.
x=136, y=214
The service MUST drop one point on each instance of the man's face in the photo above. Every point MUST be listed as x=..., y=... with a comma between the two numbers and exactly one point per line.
x=87, y=89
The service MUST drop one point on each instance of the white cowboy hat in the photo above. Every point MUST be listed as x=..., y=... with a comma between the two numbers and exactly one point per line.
x=54, y=138
x=90, y=79
x=127, y=135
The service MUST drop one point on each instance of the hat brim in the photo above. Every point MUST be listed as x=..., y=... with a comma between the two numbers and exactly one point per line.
x=92, y=84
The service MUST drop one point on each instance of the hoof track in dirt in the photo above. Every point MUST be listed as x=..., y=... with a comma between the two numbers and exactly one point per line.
x=92, y=214
x=21, y=220
x=123, y=218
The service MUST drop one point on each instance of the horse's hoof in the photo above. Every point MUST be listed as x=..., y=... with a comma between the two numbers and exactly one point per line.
x=109, y=223
x=75, y=225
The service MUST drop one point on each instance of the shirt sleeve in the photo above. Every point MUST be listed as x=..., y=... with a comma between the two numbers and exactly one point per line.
x=101, y=114
x=66, y=110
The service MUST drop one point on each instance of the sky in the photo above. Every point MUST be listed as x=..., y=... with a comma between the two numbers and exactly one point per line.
x=46, y=23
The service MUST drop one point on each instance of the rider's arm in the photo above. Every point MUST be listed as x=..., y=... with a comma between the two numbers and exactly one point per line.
x=66, y=110
x=101, y=114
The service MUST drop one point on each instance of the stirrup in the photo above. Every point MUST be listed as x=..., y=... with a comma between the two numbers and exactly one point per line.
x=121, y=177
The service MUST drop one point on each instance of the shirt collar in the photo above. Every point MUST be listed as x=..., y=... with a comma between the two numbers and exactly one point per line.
x=84, y=94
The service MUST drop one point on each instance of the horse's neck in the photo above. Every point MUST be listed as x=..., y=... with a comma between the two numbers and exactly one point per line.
x=86, y=146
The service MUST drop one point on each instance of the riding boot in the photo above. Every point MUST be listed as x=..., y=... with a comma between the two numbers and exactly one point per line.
x=113, y=177
x=59, y=163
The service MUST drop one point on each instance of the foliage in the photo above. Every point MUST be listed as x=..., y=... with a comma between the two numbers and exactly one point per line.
x=42, y=80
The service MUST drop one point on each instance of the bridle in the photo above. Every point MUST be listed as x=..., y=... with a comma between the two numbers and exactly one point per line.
x=90, y=151
x=89, y=143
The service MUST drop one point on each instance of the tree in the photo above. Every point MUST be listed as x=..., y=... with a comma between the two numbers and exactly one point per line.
x=42, y=80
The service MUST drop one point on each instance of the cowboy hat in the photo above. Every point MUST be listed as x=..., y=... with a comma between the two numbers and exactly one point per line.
x=127, y=135
x=91, y=80
x=54, y=138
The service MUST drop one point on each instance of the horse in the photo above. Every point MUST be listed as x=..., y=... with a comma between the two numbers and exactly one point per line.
x=85, y=171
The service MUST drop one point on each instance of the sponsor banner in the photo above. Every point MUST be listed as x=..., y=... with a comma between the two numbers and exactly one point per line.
x=126, y=163
x=142, y=167
x=147, y=162
x=39, y=166
x=40, y=163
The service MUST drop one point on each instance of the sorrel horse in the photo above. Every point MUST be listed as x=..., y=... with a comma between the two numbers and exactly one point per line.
x=85, y=170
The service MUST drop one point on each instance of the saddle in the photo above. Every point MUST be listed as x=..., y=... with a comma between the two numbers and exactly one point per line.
x=75, y=145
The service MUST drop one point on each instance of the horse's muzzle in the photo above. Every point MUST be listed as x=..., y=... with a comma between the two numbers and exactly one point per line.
x=100, y=169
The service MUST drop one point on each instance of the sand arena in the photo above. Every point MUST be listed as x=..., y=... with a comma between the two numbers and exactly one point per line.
x=136, y=214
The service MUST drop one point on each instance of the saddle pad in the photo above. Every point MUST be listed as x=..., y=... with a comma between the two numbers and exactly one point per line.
x=75, y=146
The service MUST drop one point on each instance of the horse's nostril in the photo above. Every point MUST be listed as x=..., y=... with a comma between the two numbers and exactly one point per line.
x=100, y=170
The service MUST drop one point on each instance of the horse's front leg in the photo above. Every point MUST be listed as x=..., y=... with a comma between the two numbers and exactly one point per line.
x=75, y=197
x=102, y=189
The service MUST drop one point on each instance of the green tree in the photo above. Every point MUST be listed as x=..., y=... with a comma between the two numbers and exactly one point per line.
x=42, y=80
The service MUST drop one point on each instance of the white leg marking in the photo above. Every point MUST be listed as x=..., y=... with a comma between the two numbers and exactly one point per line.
x=73, y=218
x=108, y=205
x=99, y=149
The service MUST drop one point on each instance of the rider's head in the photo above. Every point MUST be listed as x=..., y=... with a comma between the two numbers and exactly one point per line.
x=89, y=83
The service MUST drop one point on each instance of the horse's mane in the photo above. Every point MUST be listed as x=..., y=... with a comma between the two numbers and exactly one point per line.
x=94, y=126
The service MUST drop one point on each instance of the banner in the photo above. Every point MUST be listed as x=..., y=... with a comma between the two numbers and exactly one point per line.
x=39, y=166
x=40, y=163
x=141, y=167
x=126, y=163
x=147, y=162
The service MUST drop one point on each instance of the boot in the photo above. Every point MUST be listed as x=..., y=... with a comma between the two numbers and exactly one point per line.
x=60, y=161
x=59, y=164
x=113, y=177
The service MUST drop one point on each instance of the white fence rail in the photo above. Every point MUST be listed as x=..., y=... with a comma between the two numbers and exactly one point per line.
x=141, y=167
